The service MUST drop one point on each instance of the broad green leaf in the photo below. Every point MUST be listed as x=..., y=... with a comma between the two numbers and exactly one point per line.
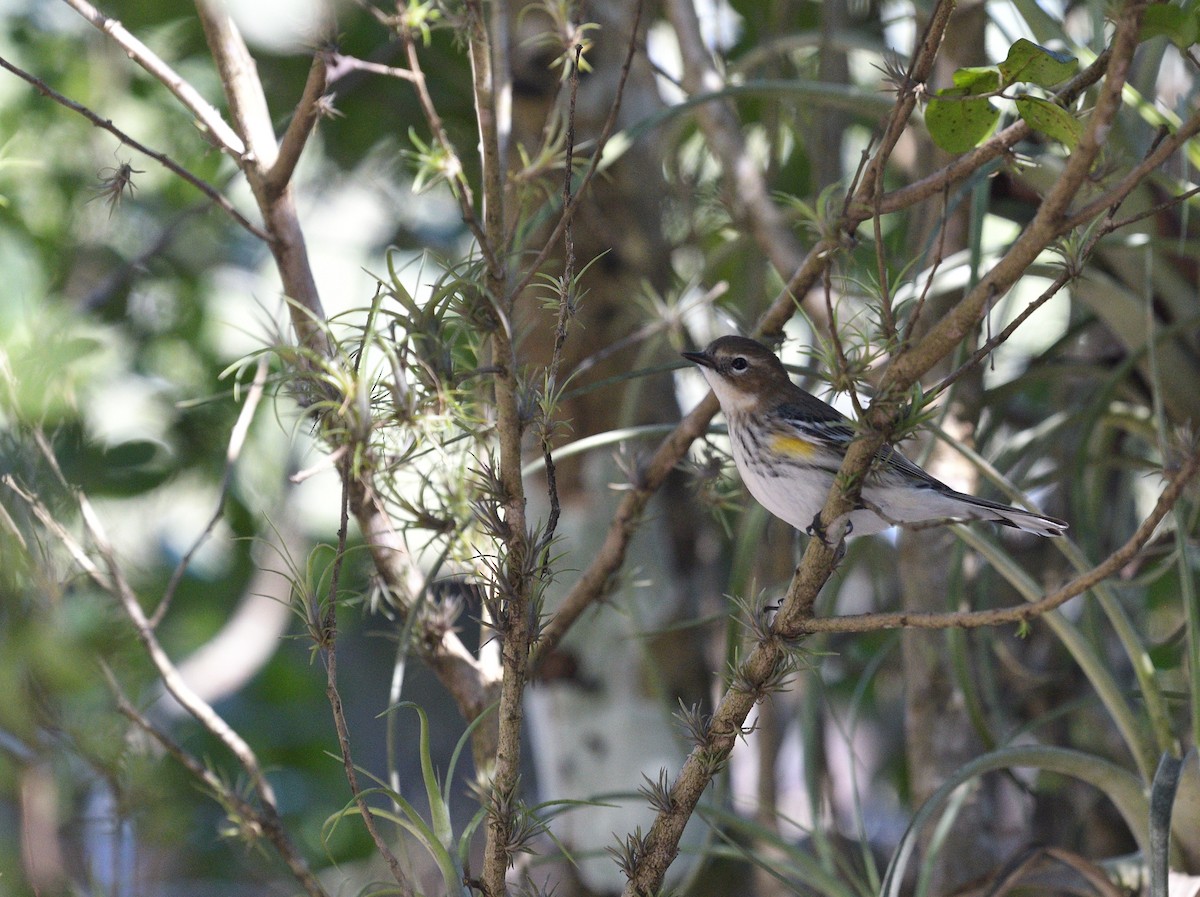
x=1029, y=62
x=978, y=79
x=1050, y=119
x=957, y=125
x=1179, y=24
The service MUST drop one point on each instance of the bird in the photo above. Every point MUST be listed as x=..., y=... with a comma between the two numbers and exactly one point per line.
x=788, y=446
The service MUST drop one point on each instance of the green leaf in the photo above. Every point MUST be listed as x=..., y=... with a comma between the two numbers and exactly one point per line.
x=1179, y=24
x=1029, y=62
x=1050, y=119
x=957, y=125
x=977, y=79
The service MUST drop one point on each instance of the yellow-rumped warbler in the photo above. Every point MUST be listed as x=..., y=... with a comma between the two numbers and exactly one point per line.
x=788, y=445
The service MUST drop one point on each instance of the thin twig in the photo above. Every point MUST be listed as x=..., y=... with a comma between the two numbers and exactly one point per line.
x=237, y=438
x=266, y=821
x=461, y=187
x=174, y=683
x=566, y=303
x=340, y=64
x=162, y=159
x=484, y=78
x=295, y=138
x=606, y=132
x=207, y=116
x=887, y=314
x=1115, y=195
x=1064, y=277
x=841, y=364
x=327, y=643
x=1070, y=272
x=1154, y=210
x=939, y=254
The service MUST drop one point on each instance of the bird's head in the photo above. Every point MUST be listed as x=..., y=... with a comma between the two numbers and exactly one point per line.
x=742, y=372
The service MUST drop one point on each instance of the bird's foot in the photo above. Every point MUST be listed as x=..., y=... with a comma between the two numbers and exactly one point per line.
x=818, y=530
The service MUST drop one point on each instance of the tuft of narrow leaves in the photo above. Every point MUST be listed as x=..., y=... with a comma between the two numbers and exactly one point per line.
x=658, y=792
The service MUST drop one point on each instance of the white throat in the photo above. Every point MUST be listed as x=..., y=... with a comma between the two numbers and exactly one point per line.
x=731, y=398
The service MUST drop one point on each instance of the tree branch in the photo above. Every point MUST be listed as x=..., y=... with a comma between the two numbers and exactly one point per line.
x=295, y=138
x=248, y=106
x=233, y=451
x=745, y=187
x=515, y=567
x=210, y=120
x=572, y=205
x=162, y=159
x=1027, y=612
x=327, y=629
x=269, y=823
x=968, y=163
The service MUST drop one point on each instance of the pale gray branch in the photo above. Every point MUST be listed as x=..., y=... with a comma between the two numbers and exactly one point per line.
x=206, y=114
x=746, y=187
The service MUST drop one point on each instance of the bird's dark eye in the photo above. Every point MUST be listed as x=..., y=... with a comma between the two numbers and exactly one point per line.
x=739, y=364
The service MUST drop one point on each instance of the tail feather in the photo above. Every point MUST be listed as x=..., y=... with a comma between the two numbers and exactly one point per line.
x=1006, y=515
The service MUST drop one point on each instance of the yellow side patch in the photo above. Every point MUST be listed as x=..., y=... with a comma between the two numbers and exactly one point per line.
x=792, y=446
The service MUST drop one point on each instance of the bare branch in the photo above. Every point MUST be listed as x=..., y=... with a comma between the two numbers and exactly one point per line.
x=340, y=64
x=237, y=439
x=327, y=642
x=566, y=309
x=296, y=137
x=166, y=161
x=745, y=186
x=265, y=820
x=486, y=90
x=200, y=710
x=212, y=124
x=239, y=80
x=248, y=105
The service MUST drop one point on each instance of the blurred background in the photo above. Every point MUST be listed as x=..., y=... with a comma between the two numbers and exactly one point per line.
x=133, y=315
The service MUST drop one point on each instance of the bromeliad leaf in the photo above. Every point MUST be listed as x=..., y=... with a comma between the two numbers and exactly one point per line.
x=1050, y=119
x=1029, y=62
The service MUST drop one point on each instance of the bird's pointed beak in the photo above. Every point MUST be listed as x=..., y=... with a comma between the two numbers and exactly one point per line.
x=701, y=358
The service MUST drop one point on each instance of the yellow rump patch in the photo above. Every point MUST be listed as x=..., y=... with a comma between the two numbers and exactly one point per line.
x=792, y=446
